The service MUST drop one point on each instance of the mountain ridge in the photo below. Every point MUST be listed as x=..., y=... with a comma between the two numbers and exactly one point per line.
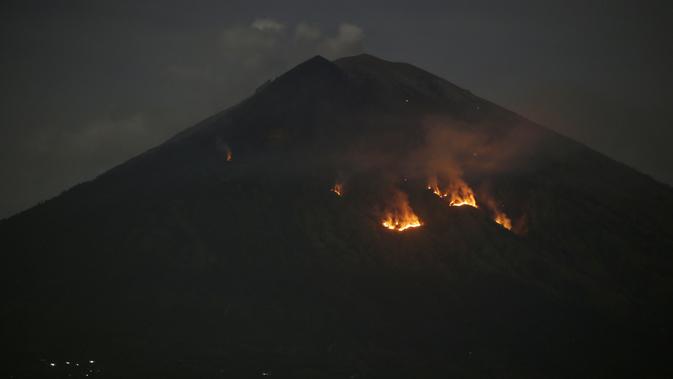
x=226, y=243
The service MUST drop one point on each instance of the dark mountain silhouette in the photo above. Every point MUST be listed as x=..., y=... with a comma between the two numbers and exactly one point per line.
x=223, y=252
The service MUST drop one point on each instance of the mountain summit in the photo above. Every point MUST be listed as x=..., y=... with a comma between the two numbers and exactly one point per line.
x=350, y=219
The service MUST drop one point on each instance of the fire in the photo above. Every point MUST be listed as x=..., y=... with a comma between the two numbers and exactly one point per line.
x=224, y=148
x=434, y=187
x=337, y=189
x=458, y=193
x=498, y=216
x=401, y=217
x=462, y=195
x=503, y=220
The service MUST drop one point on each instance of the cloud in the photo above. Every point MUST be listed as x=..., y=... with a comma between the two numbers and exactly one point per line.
x=348, y=41
x=264, y=36
x=92, y=124
x=257, y=37
x=265, y=48
x=267, y=24
x=306, y=32
x=245, y=56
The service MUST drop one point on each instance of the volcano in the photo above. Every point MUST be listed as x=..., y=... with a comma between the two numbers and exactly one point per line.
x=355, y=218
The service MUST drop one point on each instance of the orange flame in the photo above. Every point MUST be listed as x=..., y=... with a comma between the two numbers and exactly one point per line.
x=337, y=189
x=434, y=187
x=458, y=193
x=462, y=194
x=400, y=216
x=499, y=216
x=502, y=219
x=223, y=147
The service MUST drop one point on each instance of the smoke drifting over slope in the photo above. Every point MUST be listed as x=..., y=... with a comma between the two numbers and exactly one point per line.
x=231, y=243
x=459, y=161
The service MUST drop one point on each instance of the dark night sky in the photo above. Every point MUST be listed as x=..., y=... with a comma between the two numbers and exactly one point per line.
x=86, y=85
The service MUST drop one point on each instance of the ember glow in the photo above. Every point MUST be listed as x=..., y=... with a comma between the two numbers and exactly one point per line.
x=458, y=193
x=337, y=189
x=400, y=217
x=503, y=220
x=223, y=148
x=498, y=216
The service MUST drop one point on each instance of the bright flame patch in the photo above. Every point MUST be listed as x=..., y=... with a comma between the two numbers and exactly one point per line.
x=503, y=220
x=458, y=193
x=400, y=217
x=337, y=189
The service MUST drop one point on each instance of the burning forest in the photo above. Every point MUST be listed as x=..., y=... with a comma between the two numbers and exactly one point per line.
x=502, y=219
x=457, y=193
x=352, y=214
x=399, y=216
x=337, y=189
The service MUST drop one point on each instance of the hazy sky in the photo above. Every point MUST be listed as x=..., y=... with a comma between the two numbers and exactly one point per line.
x=88, y=84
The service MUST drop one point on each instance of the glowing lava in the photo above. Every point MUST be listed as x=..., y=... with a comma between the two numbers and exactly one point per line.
x=400, y=216
x=458, y=193
x=337, y=189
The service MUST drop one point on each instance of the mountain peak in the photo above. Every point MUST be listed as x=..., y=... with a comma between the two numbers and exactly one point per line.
x=363, y=57
x=366, y=61
x=310, y=69
x=317, y=62
x=350, y=214
x=317, y=59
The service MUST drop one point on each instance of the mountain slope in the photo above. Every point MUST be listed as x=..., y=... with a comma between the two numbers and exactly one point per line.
x=224, y=252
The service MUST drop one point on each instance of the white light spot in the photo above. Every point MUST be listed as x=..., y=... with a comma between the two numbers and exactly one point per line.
x=406, y=100
x=67, y=362
x=52, y=364
x=92, y=362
